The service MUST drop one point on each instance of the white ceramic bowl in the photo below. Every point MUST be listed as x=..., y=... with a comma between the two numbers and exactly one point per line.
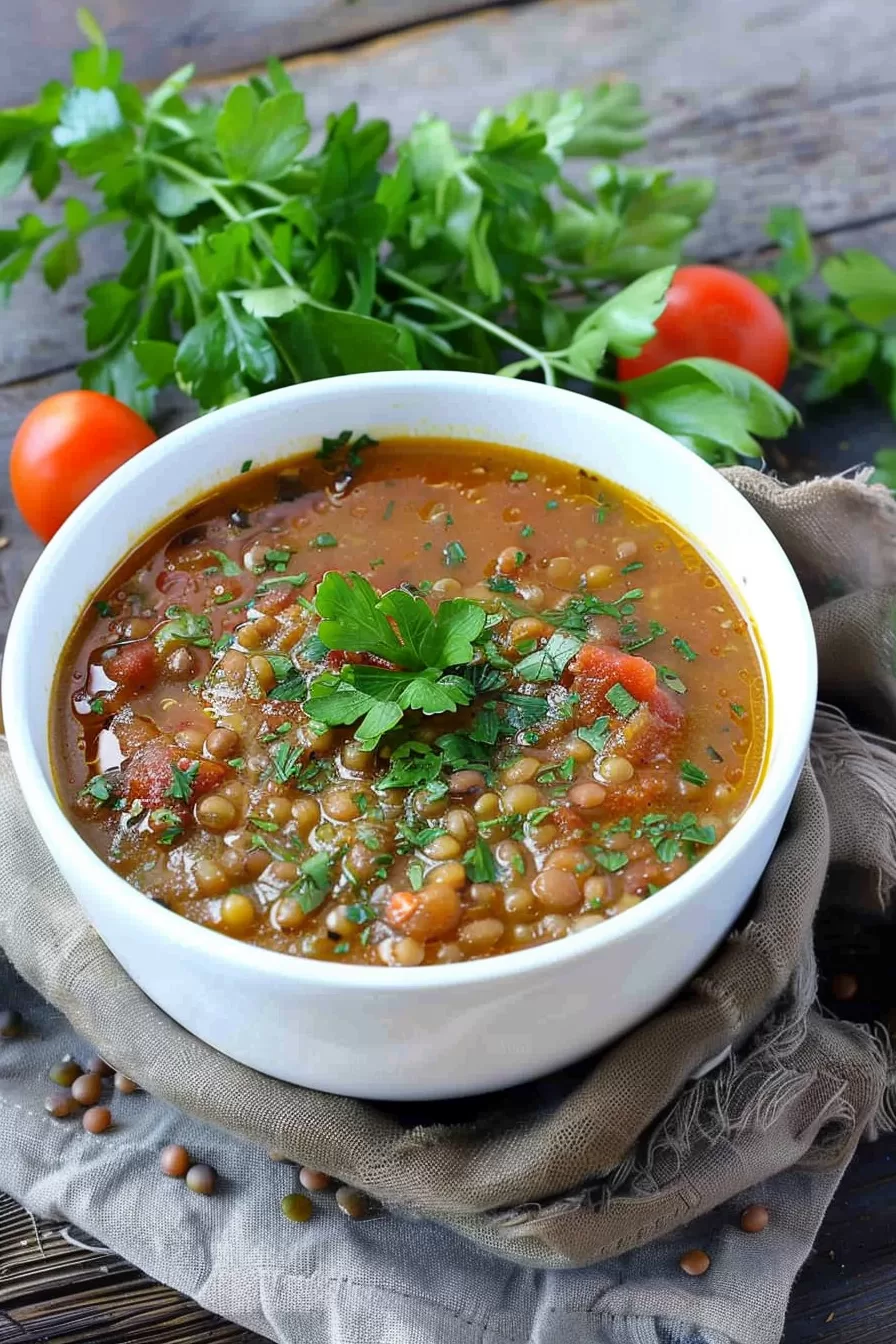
x=432, y=1031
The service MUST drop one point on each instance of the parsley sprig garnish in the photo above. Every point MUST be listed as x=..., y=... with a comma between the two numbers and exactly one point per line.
x=402, y=631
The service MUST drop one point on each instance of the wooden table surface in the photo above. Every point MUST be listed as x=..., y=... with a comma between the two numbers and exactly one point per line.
x=780, y=100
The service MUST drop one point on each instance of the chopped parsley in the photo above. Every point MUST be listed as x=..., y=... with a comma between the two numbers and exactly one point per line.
x=610, y=859
x=630, y=569
x=163, y=816
x=479, y=862
x=182, y=782
x=103, y=608
x=98, y=788
x=671, y=679
x=693, y=774
x=595, y=734
x=622, y=701
x=737, y=710
x=294, y=581
x=229, y=568
x=390, y=508
x=97, y=706
x=454, y=554
x=287, y=762
x=324, y=540
x=499, y=583
x=519, y=476
x=247, y=465
x=527, y=530
x=313, y=884
x=683, y=647
x=415, y=874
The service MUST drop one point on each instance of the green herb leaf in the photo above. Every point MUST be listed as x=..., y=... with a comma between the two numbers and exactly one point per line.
x=260, y=140
x=622, y=701
x=454, y=554
x=99, y=788
x=671, y=679
x=549, y=663
x=683, y=647
x=313, y=885
x=184, y=627
x=693, y=774
x=479, y=862
x=182, y=782
x=595, y=734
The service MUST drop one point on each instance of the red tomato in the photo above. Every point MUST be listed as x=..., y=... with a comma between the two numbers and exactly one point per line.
x=720, y=314
x=64, y=448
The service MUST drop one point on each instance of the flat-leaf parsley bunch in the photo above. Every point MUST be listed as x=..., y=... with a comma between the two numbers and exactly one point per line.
x=259, y=255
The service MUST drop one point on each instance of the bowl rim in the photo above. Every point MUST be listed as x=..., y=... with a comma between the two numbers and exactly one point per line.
x=164, y=924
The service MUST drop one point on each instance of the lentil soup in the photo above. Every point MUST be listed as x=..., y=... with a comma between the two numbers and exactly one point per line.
x=410, y=702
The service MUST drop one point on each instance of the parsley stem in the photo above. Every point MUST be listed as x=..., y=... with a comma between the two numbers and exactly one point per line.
x=449, y=306
x=200, y=179
x=188, y=270
x=596, y=378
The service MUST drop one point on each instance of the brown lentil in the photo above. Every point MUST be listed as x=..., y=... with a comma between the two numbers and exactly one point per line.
x=174, y=1160
x=313, y=1180
x=11, y=1023
x=65, y=1073
x=61, y=1105
x=202, y=1179
x=97, y=1065
x=125, y=1085
x=87, y=1089
x=755, y=1218
x=844, y=986
x=353, y=1203
x=97, y=1119
x=695, y=1263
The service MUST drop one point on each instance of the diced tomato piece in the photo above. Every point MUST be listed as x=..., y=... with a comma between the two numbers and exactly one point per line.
x=276, y=599
x=665, y=708
x=134, y=666
x=608, y=666
x=149, y=774
x=132, y=732
x=569, y=821
x=338, y=658
x=402, y=906
x=210, y=776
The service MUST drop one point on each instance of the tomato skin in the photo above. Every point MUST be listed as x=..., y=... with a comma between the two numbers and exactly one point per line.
x=716, y=313
x=65, y=447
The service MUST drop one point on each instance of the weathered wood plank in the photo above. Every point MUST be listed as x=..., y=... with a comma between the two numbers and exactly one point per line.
x=214, y=34
x=728, y=99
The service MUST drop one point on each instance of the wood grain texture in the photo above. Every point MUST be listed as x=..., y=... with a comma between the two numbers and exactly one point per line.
x=777, y=102
x=214, y=34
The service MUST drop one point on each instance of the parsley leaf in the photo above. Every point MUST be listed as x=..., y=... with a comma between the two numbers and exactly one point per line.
x=184, y=627
x=548, y=664
x=622, y=701
x=479, y=862
x=693, y=774
x=229, y=568
x=182, y=782
x=313, y=884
